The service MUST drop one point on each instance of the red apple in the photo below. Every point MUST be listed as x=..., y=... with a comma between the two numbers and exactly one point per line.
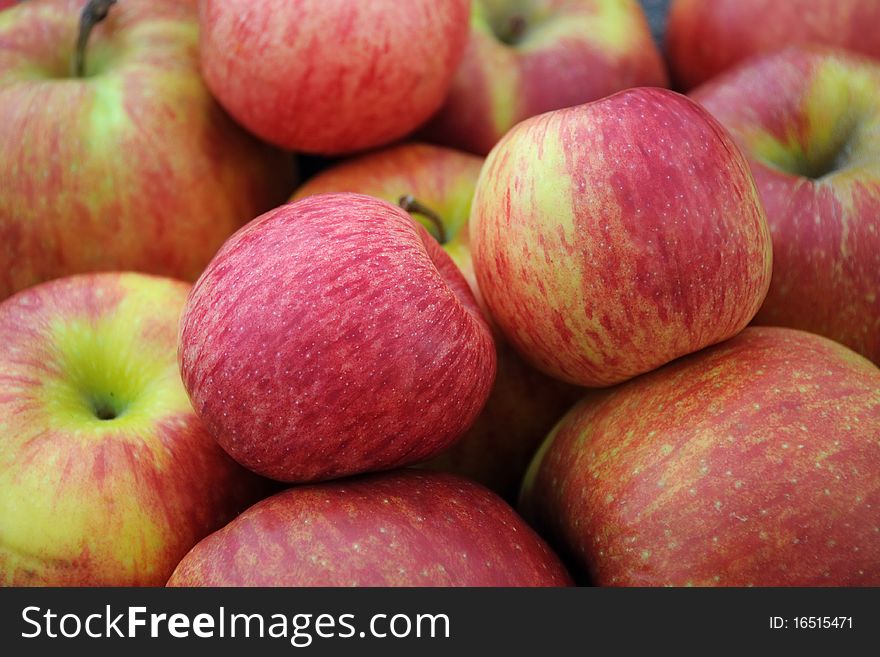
x=706, y=37
x=524, y=404
x=405, y=528
x=809, y=122
x=131, y=165
x=107, y=477
x=331, y=76
x=333, y=336
x=755, y=462
x=613, y=237
x=527, y=57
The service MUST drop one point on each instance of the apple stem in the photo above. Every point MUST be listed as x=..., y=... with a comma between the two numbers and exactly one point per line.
x=93, y=13
x=409, y=203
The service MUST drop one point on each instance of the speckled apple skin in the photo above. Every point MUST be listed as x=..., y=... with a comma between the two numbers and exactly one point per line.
x=613, y=237
x=755, y=462
x=90, y=502
x=706, y=37
x=331, y=76
x=826, y=230
x=406, y=528
x=333, y=336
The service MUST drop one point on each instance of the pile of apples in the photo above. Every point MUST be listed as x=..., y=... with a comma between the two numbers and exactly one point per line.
x=517, y=272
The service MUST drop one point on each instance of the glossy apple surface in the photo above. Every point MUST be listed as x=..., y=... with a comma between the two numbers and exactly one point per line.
x=405, y=528
x=333, y=336
x=613, y=237
x=331, y=76
x=753, y=463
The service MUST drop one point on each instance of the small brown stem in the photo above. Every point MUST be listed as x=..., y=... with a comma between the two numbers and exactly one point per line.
x=92, y=14
x=409, y=203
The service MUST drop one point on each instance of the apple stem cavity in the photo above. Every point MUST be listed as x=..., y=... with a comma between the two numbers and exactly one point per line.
x=515, y=30
x=93, y=13
x=409, y=203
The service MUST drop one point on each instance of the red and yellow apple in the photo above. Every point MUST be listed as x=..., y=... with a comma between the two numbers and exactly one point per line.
x=524, y=403
x=107, y=477
x=753, y=463
x=131, y=166
x=707, y=37
x=334, y=336
x=331, y=76
x=613, y=237
x=527, y=57
x=809, y=122
x=405, y=528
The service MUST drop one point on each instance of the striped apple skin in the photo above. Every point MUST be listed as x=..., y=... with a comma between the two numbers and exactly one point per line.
x=754, y=462
x=707, y=37
x=811, y=130
x=572, y=52
x=86, y=501
x=331, y=76
x=406, y=528
x=613, y=237
x=333, y=336
x=134, y=167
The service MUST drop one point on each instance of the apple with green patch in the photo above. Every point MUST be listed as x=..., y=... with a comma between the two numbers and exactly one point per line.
x=436, y=185
x=707, y=37
x=613, y=237
x=810, y=126
x=115, y=155
x=107, y=477
x=755, y=462
x=527, y=57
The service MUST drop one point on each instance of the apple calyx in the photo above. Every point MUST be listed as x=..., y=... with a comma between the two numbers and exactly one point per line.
x=409, y=203
x=93, y=13
x=514, y=30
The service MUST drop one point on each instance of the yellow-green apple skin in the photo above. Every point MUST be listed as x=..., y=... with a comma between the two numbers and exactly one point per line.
x=527, y=57
x=524, y=403
x=808, y=119
x=613, y=237
x=755, y=462
x=107, y=477
x=331, y=76
x=133, y=166
x=704, y=38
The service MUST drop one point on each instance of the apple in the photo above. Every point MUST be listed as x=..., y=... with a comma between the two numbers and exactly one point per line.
x=334, y=336
x=811, y=129
x=131, y=165
x=527, y=57
x=707, y=37
x=107, y=477
x=753, y=463
x=524, y=404
x=405, y=528
x=613, y=237
x=331, y=76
